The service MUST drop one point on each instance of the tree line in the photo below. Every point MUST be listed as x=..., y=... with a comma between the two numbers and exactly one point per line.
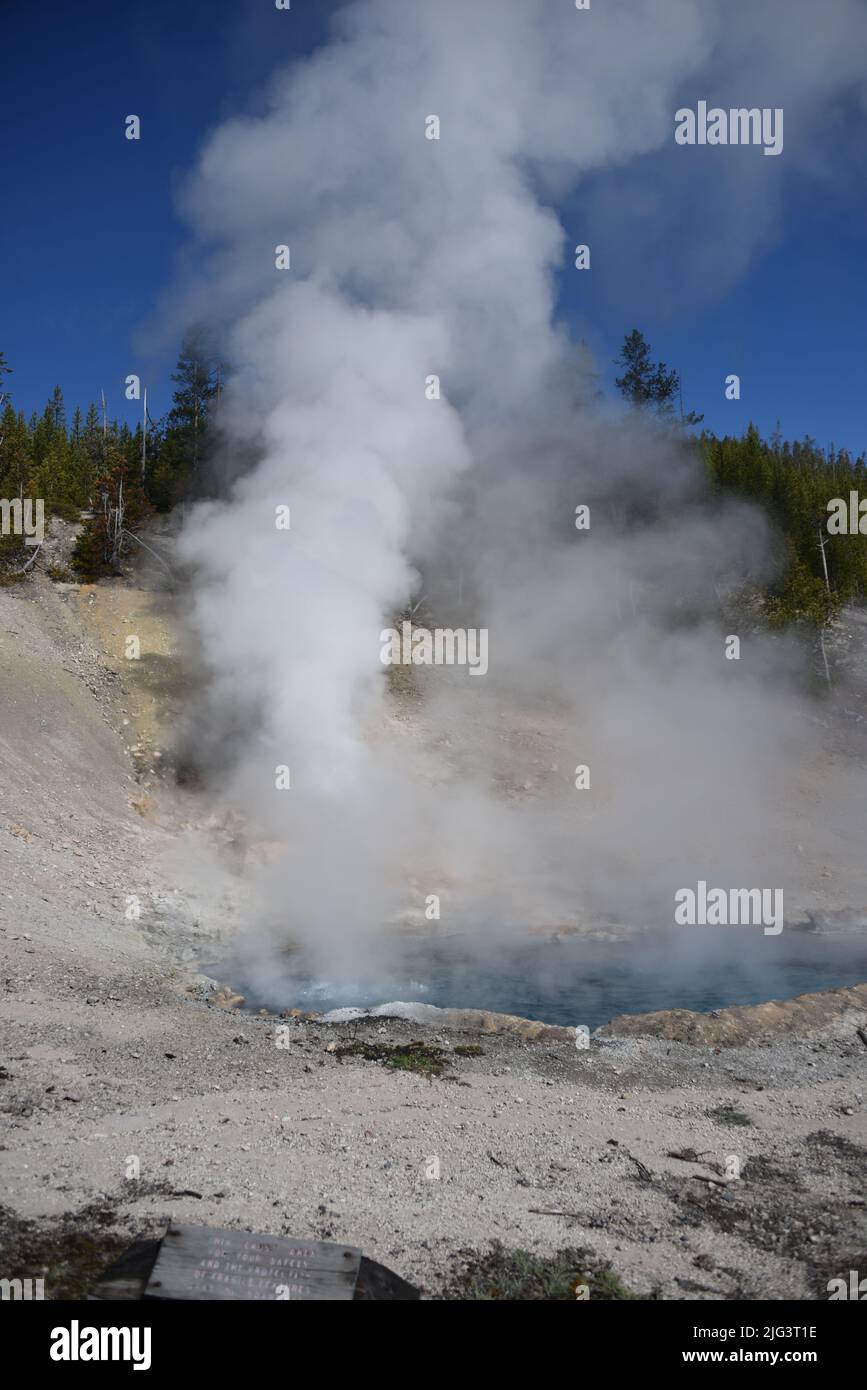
x=117, y=476
x=794, y=482
x=114, y=474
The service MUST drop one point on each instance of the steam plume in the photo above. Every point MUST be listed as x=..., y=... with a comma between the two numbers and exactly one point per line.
x=413, y=257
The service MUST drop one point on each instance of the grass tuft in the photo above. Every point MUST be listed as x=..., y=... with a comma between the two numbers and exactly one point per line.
x=415, y=1056
x=728, y=1115
x=520, y=1276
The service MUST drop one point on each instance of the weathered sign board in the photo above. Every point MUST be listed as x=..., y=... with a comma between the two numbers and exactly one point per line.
x=197, y=1262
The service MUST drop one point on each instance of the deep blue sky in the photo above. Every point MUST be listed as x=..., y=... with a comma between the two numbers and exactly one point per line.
x=89, y=235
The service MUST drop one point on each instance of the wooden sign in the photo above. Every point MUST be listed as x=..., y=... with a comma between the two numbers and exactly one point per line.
x=198, y=1262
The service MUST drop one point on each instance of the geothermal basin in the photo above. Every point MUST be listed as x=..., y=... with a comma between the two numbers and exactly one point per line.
x=569, y=980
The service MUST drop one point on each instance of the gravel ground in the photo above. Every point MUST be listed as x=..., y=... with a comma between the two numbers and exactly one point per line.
x=625, y=1150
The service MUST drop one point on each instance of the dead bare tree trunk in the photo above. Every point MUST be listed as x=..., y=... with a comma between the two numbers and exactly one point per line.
x=118, y=524
x=823, y=541
x=144, y=437
x=104, y=428
x=824, y=655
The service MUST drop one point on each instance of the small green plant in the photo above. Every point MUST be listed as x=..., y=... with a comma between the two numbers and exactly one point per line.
x=14, y=555
x=414, y=1056
x=728, y=1115
x=520, y=1276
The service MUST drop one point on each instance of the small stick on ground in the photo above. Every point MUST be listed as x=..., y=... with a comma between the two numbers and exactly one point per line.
x=542, y=1211
x=643, y=1171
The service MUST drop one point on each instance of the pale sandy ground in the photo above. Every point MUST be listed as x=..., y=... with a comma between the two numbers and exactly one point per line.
x=539, y=1145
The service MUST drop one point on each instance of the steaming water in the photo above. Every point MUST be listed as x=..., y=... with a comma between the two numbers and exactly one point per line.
x=576, y=981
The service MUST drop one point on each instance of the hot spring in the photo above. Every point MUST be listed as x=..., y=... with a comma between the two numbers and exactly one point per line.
x=568, y=981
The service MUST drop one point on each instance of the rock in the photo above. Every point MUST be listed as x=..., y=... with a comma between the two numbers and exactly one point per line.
x=744, y=1024
x=202, y=986
x=225, y=998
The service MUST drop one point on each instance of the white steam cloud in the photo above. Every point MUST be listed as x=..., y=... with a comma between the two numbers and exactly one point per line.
x=412, y=257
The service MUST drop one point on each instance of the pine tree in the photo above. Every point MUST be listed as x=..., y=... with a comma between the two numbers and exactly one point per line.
x=645, y=383
x=14, y=453
x=58, y=410
x=94, y=446
x=195, y=376
x=120, y=506
x=5, y=370
x=180, y=446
